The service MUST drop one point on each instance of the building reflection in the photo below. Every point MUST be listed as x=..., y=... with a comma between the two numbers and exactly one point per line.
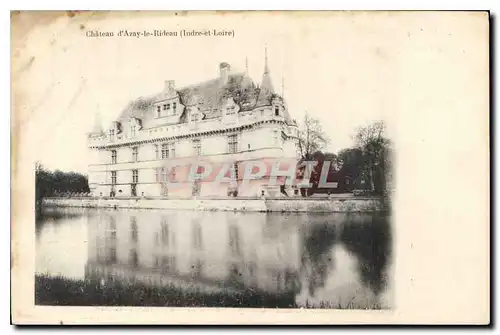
x=225, y=251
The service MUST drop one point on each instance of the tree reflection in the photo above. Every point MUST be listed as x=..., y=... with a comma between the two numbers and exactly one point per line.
x=316, y=257
x=371, y=243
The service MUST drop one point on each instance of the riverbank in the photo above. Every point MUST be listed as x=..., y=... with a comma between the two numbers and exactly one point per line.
x=341, y=204
x=59, y=291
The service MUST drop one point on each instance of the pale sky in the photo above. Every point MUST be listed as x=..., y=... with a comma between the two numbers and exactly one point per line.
x=335, y=68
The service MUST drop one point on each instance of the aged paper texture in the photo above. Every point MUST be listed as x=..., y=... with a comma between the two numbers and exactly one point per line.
x=392, y=106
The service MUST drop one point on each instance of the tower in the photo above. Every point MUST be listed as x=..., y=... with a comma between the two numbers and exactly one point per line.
x=266, y=84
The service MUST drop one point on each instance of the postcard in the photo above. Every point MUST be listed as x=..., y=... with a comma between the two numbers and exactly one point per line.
x=250, y=167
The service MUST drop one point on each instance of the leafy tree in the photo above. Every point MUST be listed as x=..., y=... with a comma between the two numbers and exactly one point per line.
x=373, y=144
x=48, y=184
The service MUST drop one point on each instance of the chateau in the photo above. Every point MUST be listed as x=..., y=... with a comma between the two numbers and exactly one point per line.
x=156, y=139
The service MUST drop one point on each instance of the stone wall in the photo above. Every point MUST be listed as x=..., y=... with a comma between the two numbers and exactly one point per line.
x=249, y=205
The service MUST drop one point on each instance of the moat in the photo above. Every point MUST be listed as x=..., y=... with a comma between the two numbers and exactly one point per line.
x=215, y=259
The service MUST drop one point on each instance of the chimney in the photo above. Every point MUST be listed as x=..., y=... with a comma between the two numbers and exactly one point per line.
x=224, y=69
x=169, y=85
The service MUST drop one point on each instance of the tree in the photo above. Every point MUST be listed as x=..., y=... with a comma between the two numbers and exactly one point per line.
x=42, y=184
x=48, y=184
x=373, y=144
x=312, y=138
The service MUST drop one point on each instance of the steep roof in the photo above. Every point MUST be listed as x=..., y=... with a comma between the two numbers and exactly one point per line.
x=266, y=83
x=209, y=96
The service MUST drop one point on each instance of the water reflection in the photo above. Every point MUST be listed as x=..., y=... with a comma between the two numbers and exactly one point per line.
x=335, y=260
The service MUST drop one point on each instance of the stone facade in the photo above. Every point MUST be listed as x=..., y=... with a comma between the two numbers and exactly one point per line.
x=226, y=120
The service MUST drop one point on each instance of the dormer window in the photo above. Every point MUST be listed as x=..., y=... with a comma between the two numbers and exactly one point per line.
x=276, y=111
x=174, y=106
x=195, y=117
x=111, y=134
x=164, y=107
x=132, y=131
x=230, y=110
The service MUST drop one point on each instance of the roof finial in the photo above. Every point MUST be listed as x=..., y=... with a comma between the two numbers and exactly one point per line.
x=266, y=84
x=266, y=68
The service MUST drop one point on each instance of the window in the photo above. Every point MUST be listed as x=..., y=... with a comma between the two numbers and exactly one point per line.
x=158, y=110
x=157, y=151
x=197, y=147
x=112, y=228
x=174, y=107
x=164, y=235
x=234, y=240
x=195, y=117
x=197, y=237
x=230, y=110
x=232, y=141
x=132, y=131
x=164, y=174
x=113, y=177
x=134, y=229
x=164, y=107
x=168, y=107
x=135, y=176
x=168, y=264
x=171, y=147
x=235, y=171
x=161, y=174
x=111, y=134
x=111, y=257
x=276, y=111
x=113, y=156
x=165, y=152
x=135, y=154
x=133, y=258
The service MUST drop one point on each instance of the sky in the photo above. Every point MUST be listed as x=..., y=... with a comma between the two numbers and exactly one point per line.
x=334, y=68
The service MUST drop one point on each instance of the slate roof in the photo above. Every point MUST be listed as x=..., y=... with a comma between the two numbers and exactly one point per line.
x=209, y=97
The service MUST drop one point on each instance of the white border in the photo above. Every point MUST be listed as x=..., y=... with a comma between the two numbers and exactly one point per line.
x=187, y=5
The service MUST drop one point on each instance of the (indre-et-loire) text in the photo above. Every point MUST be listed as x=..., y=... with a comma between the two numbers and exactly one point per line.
x=161, y=33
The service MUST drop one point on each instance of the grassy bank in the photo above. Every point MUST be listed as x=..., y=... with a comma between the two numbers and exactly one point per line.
x=66, y=292
x=58, y=291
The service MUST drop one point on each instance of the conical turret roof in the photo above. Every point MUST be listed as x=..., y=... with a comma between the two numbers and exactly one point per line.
x=266, y=85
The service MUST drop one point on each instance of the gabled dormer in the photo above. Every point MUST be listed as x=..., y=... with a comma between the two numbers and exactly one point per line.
x=134, y=126
x=168, y=103
x=230, y=110
x=194, y=115
x=115, y=131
